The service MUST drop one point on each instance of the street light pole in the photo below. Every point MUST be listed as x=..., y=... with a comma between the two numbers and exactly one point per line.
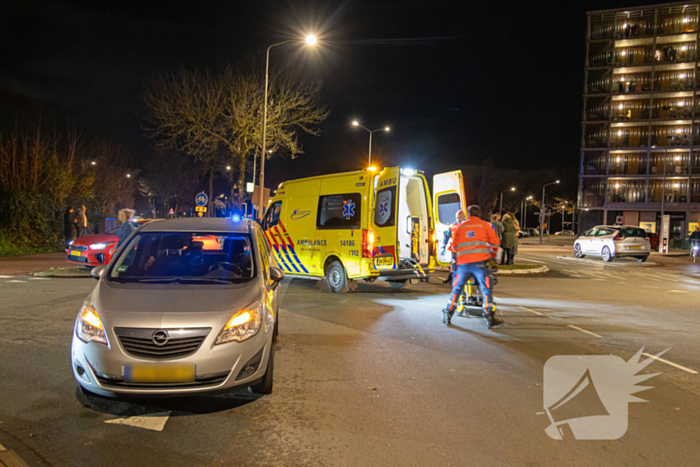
x=500, y=209
x=371, y=132
x=311, y=40
x=523, y=215
x=663, y=202
x=542, y=210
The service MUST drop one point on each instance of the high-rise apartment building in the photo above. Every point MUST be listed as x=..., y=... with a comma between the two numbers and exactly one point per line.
x=640, y=147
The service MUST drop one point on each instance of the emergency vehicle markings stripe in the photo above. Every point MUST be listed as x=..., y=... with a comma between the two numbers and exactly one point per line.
x=275, y=252
x=583, y=330
x=284, y=248
x=271, y=240
x=670, y=363
x=291, y=247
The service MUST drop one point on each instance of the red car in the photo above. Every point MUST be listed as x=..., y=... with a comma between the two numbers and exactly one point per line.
x=653, y=241
x=96, y=250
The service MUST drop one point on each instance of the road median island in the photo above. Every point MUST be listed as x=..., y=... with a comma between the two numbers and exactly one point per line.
x=77, y=272
x=521, y=269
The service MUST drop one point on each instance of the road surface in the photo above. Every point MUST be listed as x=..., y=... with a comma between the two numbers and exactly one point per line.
x=374, y=377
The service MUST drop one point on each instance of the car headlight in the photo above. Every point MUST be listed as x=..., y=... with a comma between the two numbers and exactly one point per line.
x=98, y=246
x=243, y=325
x=90, y=327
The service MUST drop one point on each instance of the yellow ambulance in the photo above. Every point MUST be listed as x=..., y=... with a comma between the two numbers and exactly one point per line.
x=365, y=225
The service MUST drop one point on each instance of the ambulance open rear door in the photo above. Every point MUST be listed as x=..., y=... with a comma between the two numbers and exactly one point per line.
x=448, y=199
x=384, y=224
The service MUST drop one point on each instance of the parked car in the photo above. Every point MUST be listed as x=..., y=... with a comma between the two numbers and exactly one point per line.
x=612, y=241
x=96, y=250
x=168, y=316
x=566, y=233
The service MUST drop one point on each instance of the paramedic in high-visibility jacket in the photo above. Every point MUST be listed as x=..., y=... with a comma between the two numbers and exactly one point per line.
x=474, y=242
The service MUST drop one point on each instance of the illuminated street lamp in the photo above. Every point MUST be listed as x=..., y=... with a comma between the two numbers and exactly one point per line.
x=386, y=128
x=128, y=175
x=542, y=211
x=500, y=210
x=93, y=163
x=310, y=40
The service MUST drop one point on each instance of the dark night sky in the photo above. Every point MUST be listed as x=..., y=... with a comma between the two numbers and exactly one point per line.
x=457, y=81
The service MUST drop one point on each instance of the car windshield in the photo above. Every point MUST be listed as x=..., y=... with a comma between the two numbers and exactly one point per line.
x=185, y=257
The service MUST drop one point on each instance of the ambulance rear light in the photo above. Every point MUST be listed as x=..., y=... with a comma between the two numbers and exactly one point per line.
x=408, y=172
x=372, y=169
x=367, y=242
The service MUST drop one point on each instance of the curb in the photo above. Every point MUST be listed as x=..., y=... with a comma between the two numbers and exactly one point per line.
x=646, y=264
x=523, y=272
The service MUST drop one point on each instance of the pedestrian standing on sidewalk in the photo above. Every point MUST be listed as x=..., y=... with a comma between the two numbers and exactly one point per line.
x=82, y=222
x=69, y=226
x=127, y=226
x=497, y=225
x=508, y=240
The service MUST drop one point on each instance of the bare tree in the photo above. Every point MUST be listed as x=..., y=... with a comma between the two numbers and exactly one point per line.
x=217, y=117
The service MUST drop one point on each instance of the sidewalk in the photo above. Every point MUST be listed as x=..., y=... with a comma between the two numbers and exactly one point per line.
x=22, y=265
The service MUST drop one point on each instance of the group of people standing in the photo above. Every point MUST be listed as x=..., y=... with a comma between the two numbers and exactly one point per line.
x=75, y=224
x=507, y=230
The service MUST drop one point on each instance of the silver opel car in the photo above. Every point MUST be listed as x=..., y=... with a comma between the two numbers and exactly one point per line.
x=186, y=306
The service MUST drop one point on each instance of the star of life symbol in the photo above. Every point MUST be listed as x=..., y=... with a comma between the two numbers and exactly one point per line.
x=471, y=234
x=384, y=208
x=348, y=209
x=586, y=396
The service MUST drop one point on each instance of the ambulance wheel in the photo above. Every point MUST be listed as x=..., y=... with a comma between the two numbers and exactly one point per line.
x=397, y=284
x=336, y=279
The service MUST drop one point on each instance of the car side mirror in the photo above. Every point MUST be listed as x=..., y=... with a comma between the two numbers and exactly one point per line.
x=276, y=274
x=97, y=271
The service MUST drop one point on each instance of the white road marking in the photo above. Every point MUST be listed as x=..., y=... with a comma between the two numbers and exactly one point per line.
x=583, y=330
x=5, y=277
x=17, y=281
x=155, y=422
x=39, y=279
x=532, y=311
x=532, y=260
x=670, y=363
x=646, y=277
x=678, y=291
x=2, y=448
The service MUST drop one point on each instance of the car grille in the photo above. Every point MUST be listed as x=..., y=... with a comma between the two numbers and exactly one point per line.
x=77, y=259
x=78, y=248
x=139, y=342
x=200, y=381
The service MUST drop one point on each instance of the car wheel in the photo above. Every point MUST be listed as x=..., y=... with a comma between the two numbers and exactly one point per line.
x=398, y=284
x=641, y=259
x=265, y=385
x=607, y=256
x=578, y=252
x=336, y=279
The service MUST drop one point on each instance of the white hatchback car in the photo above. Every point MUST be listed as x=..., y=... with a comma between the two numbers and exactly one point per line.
x=612, y=241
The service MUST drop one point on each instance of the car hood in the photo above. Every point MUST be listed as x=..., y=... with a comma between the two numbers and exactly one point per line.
x=174, y=298
x=92, y=239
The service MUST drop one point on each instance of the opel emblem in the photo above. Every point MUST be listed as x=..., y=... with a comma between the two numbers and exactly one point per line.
x=160, y=337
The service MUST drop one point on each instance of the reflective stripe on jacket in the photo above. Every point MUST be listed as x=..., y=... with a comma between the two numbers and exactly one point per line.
x=474, y=241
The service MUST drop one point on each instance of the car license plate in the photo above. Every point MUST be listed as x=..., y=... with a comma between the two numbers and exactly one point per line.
x=384, y=262
x=635, y=248
x=159, y=373
x=75, y=252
